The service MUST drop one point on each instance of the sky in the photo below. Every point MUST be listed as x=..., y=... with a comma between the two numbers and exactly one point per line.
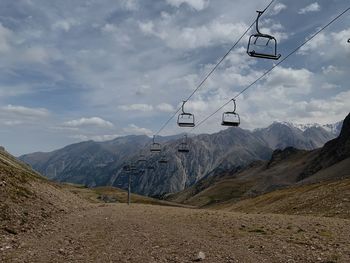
x=98, y=69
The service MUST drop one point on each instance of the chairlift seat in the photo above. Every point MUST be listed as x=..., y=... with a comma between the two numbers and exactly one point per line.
x=155, y=147
x=150, y=167
x=230, y=119
x=142, y=159
x=258, y=54
x=183, y=148
x=163, y=160
x=186, y=120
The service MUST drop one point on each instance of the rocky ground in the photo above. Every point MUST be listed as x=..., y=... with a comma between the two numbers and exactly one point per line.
x=152, y=233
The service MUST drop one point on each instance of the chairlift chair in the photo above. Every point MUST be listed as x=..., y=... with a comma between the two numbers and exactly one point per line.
x=163, y=160
x=126, y=168
x=183, y=146
x=231, y=118
x=142, y=159
x=349, y=40
x=185, y=119
x=253, y=46
x=150, y=166
x=133, y=167
x=155, y=147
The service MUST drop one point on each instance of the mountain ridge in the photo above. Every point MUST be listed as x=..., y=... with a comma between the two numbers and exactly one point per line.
x=100, y=163
x=290, y=167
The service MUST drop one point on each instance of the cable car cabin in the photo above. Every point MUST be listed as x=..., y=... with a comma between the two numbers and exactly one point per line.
x=262, y=45
x=183, y=148
x=230, y=119
x=185, y=119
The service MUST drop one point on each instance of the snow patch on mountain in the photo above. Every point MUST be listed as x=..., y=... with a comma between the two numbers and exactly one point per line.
x=333, y=128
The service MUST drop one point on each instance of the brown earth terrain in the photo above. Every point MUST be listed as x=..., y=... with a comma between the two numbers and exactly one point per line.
x=150, y=233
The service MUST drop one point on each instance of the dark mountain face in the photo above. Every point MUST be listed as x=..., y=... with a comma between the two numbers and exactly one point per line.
x=101, y=163
x=333, y=151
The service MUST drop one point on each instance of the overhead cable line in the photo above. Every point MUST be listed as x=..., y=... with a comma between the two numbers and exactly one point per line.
x=212, y=70
x=273, y=67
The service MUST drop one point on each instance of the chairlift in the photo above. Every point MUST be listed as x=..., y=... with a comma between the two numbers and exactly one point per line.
x=257, y=50
x=150, y=166
x=142, y=159
x=163, y=160
x=155, y=147
x=126, y=168
x=231, y=118
x=183, y=146
x=185, y=119
x=133, y=167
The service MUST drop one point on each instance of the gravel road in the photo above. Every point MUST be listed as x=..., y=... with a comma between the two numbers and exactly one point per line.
x=150, y=233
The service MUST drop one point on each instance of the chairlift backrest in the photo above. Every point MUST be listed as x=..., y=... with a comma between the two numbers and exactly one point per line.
x=257, y=51
x=185, y=119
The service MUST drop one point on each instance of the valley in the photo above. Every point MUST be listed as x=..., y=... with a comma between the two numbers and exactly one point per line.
x=291, y=207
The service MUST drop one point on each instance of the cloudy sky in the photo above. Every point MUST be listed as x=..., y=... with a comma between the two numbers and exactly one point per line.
x=97, y=69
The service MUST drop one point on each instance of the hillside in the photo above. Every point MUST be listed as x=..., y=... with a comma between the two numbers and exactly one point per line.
x=100, y=163
x=28, y=199
x=327, y=199
x=286, y=168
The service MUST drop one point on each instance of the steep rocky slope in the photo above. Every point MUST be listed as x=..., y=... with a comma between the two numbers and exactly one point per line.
x=28, y=199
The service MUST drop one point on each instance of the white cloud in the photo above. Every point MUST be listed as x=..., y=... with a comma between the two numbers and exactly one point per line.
x=109, y=28
x=165, y=107
x=147, y=27
x=130, y=5
x=278, y=8
x=314, y=7
x=136, y=107
x=96, y=138
x=94, y=121
x=36, y=55
x=134, y=129
x=5, y=35
x=12, y=123
x=25, y=111
x=65, y=24
x=193, y=37
x=196, y=4
x=291, y=80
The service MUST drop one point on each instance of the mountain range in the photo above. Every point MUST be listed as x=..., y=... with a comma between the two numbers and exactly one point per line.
x=101, y=163
x=298, y=172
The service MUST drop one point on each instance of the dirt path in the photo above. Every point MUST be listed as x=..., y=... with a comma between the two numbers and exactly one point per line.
x=146, y=233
